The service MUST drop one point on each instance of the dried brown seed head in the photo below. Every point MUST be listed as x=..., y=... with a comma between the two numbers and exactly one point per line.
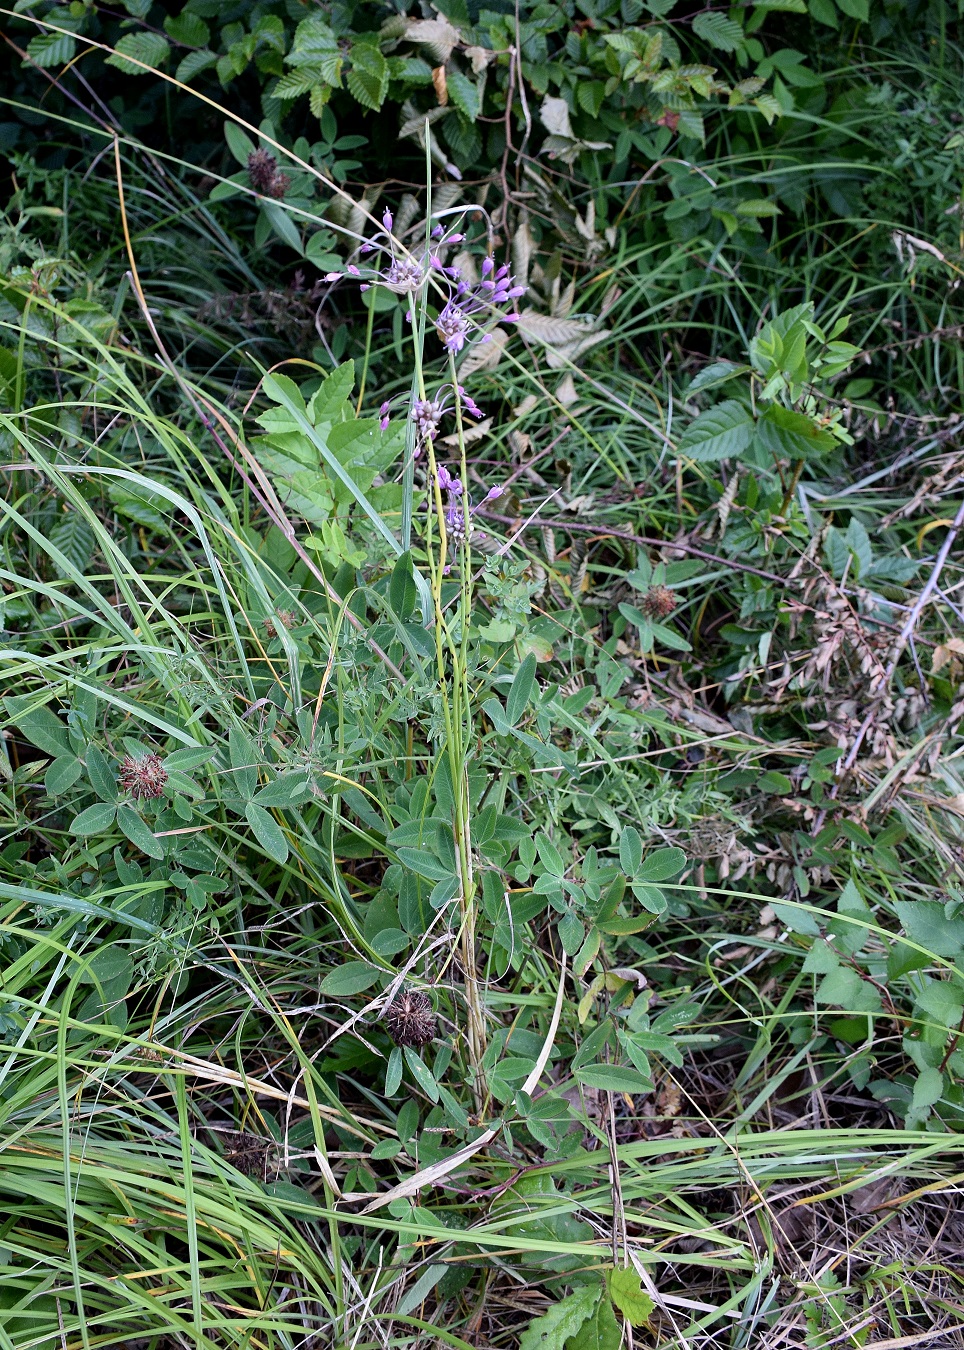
x=143, y=775
x=410, y=1019
x=658, y=602
x=262, y=170
x=283, y=616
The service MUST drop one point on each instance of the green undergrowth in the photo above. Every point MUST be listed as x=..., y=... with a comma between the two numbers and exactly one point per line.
x=513, y=914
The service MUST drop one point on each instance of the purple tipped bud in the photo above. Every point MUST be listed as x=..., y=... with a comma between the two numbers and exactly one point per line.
x=385, y=407
x=333, y=276
x=366, y=248
x=445, y=479
x=511, y=318
x=383, y=423
x=387, y=221
x=366, y=287
x=436, y=261
x=500, y=297
x=487, y=266
x=437, y=232
x=516, y=291
x=456, y=238
x=354, y=270
x=494, y=492
x=502, y=272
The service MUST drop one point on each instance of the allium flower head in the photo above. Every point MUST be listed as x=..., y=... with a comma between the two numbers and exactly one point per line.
x=143, y=775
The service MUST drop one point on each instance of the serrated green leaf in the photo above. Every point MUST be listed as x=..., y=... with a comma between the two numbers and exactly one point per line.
x=926, y=923
x=189, y=30
x=553, y=1329
x=792, y=435
x=140, y=53
x=51, y=49
x=138, y=832
x=267, y=831
x=723, y=432
x=626, y=1292
x=464, y=93
x=193, y=64
x=368, y=77
x=724, y=34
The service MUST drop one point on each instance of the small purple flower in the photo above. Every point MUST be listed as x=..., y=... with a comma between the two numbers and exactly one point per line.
x=426, y=415
x=388, y=221
x=383, y=415
x=452, y=327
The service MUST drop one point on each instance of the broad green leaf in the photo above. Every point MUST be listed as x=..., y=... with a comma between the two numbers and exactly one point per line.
x=193, y=64
x=792, y=435
x=723, y=432
x=600, y=1331
x=711, y=376
x=422, y=1074
x=424, y=864
x=110, y=962
x=549, y=855
x=663, y=864
x=244, y=762
x=350, y=978
x=239, y=143
x=630, y=850
x=139, y=832
x=38, y=725
x=520, y=691
x=95, y=820
x=287, y=790
x=571, y=933
x=402, y=591
x=62, y=773
x=928, y=1089
x=926, y=923
x=855, y=9
x=267, y=831
x=668, y=637
x=613, y=1078
x=190, y=757
x=553, y=1329
x=393, y=1072
x=283, y=225
x=102, y=777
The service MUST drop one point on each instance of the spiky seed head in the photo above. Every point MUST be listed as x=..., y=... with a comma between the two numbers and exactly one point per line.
x=658, y=602
x=143, y=775
x=410, y=1019
x=279, y=185
x=262, y=170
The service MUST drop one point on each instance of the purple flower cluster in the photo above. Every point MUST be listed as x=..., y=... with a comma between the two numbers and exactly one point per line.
x=468, y=306
x=427, y=413
x=457, y=520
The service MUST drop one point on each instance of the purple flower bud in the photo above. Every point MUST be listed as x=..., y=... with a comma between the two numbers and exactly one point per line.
x=333, y=276
x=516, y=291
x=487, y=266
x=511, y=318
x=354, y=270
x=387, y=221
x=365, y=287
x=487, y=286
x=456, y=238
x=408, y=316
x=366, y=248
x=437, y=232
x=385, y=407
x=500, y=297
x=494, y=492
x=383, y=423
x=445, y=479
x=502, y=272
x=436, y=261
